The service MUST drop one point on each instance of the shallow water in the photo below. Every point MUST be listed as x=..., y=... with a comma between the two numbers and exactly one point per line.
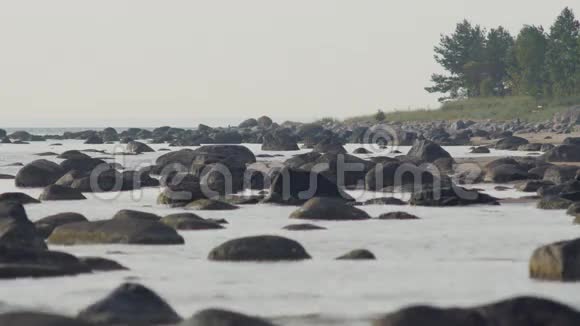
x=452, y=256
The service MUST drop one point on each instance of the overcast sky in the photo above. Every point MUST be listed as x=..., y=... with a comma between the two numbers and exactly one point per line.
x=182, y=62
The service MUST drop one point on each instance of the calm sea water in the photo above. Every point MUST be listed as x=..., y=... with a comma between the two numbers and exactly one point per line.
x=452, y=256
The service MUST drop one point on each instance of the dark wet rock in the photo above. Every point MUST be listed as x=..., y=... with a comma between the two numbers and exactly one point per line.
x=359, y=254
x=94, y=140
x=293, y=187
x=547, y=147
x=553, y=202
x=102, y=265
x=560, y=174
x=5, y=140
x=303, y=227
x=539, y=171
x=329, y=145
x=264, y=122
x=259, y=248
x=249, y=123
x=511, y=143
x=520, y=311
x=427, y=151
x=556, y=262
x=480, y=150
x=563, y=153
x=130, y=304
x=242, y=200
x=454, y=196
x=82, y=165
x=532, y=147
x=533, y=185
x=501, y=188
x=397, y=174
x=16, y=230
x=26, y=262
x=123, y=230
x=139, y=215
x=180, y=190
x=362, y=150
x=218, y=317
x=385, y=201
x=21, y=135
x=73, y=155
x=138, y=148
x=325, y=208
x=57, y=192
x=279, y=140
x=7, y=177
x=210, y=205
x=18, y=197
x=506, y=173
x=39, y=173
x=227, y=137
x=188, y=221
x=397, y=216
x=38, y=319
x=46, y=154
x=46, y=225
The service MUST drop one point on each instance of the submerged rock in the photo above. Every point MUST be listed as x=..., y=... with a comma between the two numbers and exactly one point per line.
x=303, y=227
x=359, y=254
x=125, y=230
x=130, y=304
x=397, y=216
x=218, y=317
x=37, y=174
x=259, y=248
x=325, y=208
x=38, y=319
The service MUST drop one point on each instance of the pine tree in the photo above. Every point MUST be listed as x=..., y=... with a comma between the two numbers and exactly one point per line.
x=562, y=58
x=528, y=59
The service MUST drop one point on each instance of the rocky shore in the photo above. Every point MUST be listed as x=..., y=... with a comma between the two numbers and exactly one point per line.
x=208, y=169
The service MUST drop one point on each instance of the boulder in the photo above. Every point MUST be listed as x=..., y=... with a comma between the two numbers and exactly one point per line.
x=16, y=230
x=294, y=187
x=325, y=208
x=560, y=174
x=188, y=221
x=249, y=123
x=18, y=197
x=553, y=203
x=303, y=227
x=559, y=261
x=38, y=319
x=57, y=192
x=259, y=248
x=120, y=230
x=563, y=153
x=533, y=185
x=180, y=190
x=574, y=210
x=532, y=147
x=46, y=225
x=39, y=173
x=102, y=265
x=73, y=155
x=128, y=214
x=210, y=205
x=136, y=147
x=130, y=304
x=427, y=151
x=385, y=201
x=94, y=140
x=506, y=173
x=361, y=150
x=264, y=122
x=218, y=317
x=453, y=196
x=279, y=140
x=25, y=263
x=359, y=254
x=511, y=143
x=397, y=216
x=399, y=175
x=86, y=165
x=330, y=145
x=480, y=150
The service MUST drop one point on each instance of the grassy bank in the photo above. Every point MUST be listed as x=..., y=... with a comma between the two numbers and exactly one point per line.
x=494, y=108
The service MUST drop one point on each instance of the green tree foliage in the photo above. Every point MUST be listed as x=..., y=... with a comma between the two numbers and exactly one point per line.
x=527, y=69
x=380, y=116
x=479, y=63
x=562, y=55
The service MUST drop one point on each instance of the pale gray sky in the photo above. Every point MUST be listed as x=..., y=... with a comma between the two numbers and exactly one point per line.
x=181, y=62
